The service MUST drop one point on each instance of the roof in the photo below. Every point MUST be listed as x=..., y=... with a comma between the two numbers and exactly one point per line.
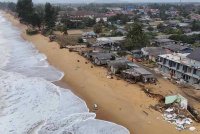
x=121, y=63
x=183, y=24
x=121, y=31
x=176, y=98
x=195, y=55
x=192, y=33
x=81, y=13
x=136, y=51
x=164, y=40
x=131, y=71
x=142, y=71
x=154, y=51
x=89, y=33
x=110, y=39
x=180, y=58
x=103, y=55
x=175, y=47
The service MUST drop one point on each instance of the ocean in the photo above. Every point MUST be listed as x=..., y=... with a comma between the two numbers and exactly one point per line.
x=30, y=103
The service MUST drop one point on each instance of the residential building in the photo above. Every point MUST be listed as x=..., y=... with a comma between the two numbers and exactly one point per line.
x=178, y=48
x=181, y=66
x=152, y=53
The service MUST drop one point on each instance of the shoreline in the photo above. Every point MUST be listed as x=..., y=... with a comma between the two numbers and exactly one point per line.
x=118, y=101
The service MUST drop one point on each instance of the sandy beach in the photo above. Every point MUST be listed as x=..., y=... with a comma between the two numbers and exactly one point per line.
x=118, y=101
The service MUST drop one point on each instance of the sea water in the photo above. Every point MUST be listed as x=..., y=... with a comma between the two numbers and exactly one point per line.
x=30, y=103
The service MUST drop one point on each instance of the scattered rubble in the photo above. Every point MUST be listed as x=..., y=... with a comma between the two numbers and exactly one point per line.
x=176, y=111
x=179, y=119
x=192, y=128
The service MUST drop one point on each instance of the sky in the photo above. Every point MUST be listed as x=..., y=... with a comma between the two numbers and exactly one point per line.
x=104, y=1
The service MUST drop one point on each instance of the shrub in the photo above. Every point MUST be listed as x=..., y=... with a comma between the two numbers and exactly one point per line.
x=80, y=40
x=30, y=31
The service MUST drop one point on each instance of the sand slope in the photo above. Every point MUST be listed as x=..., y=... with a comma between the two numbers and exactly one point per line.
x=118, y=101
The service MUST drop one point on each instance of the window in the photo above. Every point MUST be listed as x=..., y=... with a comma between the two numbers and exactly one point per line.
x=185, y=69
x=194, y=71
x=173, y=64
x=178, y=66
x=170, y=63
x=189, y=70
x=164, y=61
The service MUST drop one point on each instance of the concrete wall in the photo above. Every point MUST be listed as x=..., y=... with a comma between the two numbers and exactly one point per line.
x=187, y=74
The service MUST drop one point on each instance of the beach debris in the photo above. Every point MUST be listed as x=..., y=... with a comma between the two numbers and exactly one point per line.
x=109, y=77
x=176, y=111
x=52, y=38
x=95, y=107
x=91, y=66
x=177, y=98
x=180, y=120
x=192, y=128
x=165, y=77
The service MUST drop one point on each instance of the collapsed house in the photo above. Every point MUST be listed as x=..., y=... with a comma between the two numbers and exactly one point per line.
x=130, y=71
x=177, y=99
x=130, y=75
x=117, y=66
x=145, y=75
x=176, y=112
x=99, y=58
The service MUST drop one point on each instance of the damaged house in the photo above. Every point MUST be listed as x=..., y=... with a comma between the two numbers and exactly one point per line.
x=110, y=43
x=137, y=74
x=152, y=53
x=184, y=67
x=117, y=66
x=99, y=58
x=130, y=71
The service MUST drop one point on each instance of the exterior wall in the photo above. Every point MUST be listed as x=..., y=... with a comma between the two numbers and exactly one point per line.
x=180, y=71
x=152, y=58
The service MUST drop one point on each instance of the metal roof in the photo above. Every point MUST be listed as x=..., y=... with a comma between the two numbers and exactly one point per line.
x=142, y=71
x=195, y=55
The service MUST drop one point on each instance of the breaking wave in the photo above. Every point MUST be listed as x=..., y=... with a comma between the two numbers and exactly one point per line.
x=30, y=103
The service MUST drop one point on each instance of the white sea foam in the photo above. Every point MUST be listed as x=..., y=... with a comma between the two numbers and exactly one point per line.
x=30, y=103
x=21, y=56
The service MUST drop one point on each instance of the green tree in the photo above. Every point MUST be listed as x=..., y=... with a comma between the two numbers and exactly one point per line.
x=36, y=20
x=25, y=10
x=97, y=28
x=40, y=11
x=150, y=28
x=64, y=29
x=12, y=6
x=50, y=16
x=89, y=22
x=196, y=25
x=136, y=38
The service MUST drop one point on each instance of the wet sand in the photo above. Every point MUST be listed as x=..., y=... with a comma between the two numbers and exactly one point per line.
x=117, y=100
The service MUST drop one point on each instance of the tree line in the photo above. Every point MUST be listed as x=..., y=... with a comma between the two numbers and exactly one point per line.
x=37, y=16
